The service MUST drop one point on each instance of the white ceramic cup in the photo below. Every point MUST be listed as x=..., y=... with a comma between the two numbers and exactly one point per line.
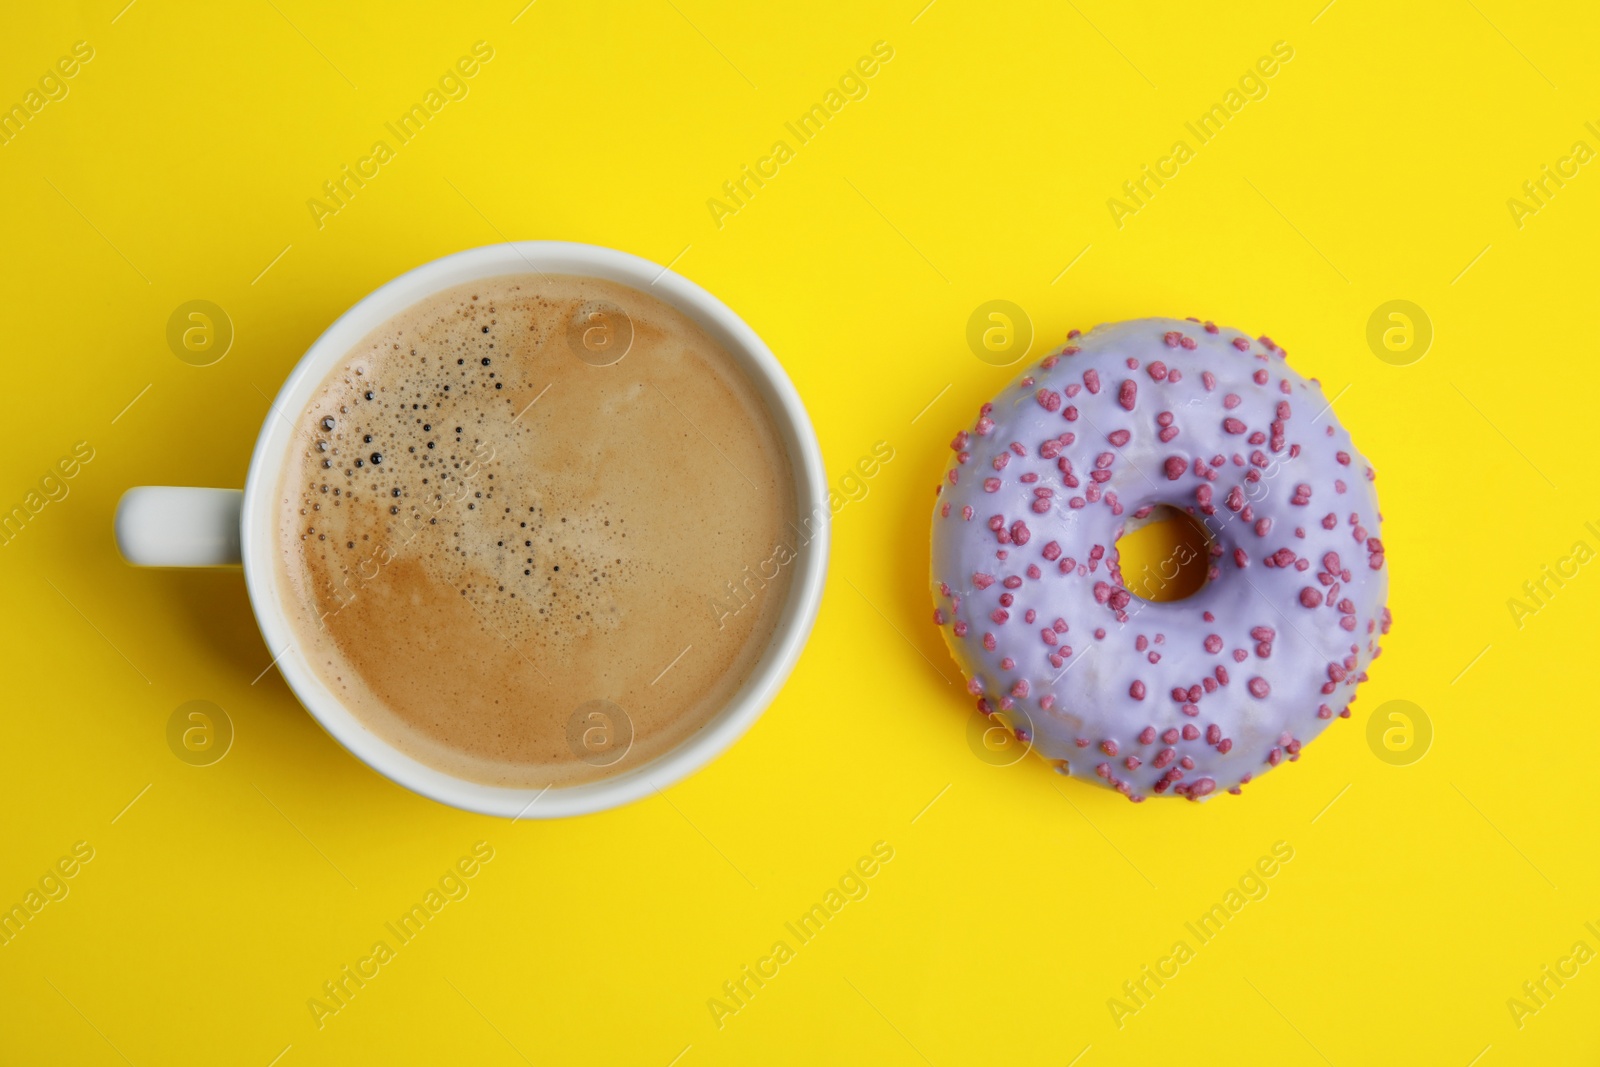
x=170, y=526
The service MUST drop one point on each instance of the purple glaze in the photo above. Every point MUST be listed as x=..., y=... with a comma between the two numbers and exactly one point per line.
x=1185, y=697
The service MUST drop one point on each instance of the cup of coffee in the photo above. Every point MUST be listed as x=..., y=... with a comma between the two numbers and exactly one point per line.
x=534, y=530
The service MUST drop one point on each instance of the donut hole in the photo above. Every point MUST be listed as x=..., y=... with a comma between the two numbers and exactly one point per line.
x=1166, y=558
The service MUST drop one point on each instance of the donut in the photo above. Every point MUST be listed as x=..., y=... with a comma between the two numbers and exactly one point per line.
x=1182, y=697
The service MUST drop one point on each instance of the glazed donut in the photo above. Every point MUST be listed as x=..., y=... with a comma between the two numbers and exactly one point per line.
x=1149, y=698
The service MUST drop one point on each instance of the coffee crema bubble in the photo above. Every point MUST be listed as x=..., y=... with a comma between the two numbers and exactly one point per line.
x=482, y=529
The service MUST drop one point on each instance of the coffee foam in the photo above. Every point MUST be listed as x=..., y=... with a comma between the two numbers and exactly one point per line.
x=482, y=531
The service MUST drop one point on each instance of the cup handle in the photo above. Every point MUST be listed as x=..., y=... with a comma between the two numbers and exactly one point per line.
x=178, y=526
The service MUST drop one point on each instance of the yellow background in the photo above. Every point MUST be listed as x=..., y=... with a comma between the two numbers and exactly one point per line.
x=1420, y=897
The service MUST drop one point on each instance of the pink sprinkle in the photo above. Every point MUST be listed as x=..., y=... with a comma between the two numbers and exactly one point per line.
x=1127, y=394
x=1173, y=338
x=1175, y=466
x=1052, y=550
x=990, y=485
x=1258, y=687
x=1157, y=370
x=1310, y=597
x=1119, y=437
x=1147, y=736
x=1233, y=425
x=1019, y=532
x=1242, y=344
x=1091, y=380
x=1136, y=690
x=1049, y=399
x=1109, y=747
